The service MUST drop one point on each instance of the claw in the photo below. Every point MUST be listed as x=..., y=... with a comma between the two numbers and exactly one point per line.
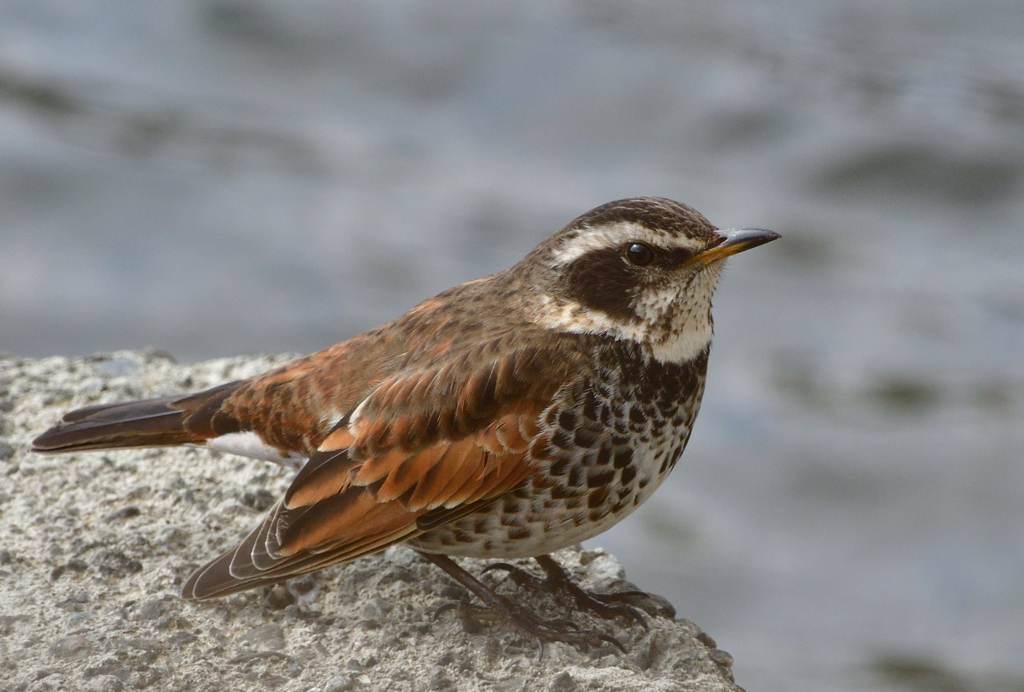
x=520, y=576
x=499, y=565
x=611, y=640
x=444, y=608
x=635, y=613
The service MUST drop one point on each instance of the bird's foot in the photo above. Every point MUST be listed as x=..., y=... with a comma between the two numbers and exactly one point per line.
x=561, y=584
x=498, y=608
x=521, y=619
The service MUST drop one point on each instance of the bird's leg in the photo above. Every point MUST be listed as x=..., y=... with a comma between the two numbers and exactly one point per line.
x=560, y=583
x=497, y=607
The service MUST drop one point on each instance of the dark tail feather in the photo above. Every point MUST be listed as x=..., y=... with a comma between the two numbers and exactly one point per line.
x=151, y=423
x=135, y=424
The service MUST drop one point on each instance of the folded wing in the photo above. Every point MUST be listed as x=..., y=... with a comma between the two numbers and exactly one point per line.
x=422, y=443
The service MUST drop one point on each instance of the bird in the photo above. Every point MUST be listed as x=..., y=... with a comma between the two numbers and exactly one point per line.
x=507, y=417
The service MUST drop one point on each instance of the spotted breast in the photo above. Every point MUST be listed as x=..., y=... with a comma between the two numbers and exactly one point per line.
x=604, y=446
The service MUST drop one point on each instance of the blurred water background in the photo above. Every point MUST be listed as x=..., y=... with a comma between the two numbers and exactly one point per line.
x=217, y=177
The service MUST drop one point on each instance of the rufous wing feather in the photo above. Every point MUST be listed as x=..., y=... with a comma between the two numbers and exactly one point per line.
x=373, y=478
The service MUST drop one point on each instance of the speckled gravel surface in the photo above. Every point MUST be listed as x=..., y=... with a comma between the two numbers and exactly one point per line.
x=96, y=545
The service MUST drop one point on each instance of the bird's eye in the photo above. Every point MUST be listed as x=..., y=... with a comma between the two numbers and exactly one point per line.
x=639, y=254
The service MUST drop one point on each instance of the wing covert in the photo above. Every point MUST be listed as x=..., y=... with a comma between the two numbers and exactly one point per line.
x=432, y=440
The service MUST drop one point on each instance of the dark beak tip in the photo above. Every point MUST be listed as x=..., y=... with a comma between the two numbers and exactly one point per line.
x=747, y=238
x=762, y=234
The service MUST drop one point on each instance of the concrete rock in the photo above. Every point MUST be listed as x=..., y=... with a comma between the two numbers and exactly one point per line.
x=98, y=544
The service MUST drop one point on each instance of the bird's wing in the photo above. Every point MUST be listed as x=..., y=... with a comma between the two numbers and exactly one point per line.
x=435, y=438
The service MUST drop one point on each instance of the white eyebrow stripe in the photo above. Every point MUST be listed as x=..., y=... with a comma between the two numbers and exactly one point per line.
x=613, y=235
x=680, y=345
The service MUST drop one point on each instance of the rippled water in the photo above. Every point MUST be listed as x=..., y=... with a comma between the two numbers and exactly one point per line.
x=218, y=177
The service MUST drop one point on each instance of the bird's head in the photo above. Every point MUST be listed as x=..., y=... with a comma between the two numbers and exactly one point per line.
x=641, y=269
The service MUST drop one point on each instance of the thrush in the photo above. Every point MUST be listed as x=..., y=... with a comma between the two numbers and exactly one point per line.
x=507, y=417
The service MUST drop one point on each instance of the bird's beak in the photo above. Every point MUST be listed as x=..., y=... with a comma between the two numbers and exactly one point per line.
x=736, y=240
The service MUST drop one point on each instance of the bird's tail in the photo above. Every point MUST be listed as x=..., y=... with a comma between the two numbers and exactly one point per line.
x=166, y=421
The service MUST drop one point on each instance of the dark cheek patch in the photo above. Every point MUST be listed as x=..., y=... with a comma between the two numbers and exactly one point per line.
x=601, y=280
